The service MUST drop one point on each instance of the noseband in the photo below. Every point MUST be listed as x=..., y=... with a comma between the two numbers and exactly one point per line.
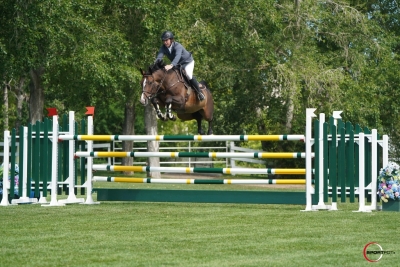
x=159, y=90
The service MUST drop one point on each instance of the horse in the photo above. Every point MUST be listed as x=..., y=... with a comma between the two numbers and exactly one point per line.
x=171, y=90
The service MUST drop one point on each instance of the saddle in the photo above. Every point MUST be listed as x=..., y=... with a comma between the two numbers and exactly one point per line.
x=185, y=78
x=183, y=75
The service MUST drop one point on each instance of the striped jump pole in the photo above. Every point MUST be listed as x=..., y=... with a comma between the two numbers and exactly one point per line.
x=183, y=137
x=260, y=155
x=98, y=167
x=197, y=181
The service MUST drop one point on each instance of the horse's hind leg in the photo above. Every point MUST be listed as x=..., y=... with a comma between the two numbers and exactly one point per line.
x=199, y=129
x=210, y=131
x=197, y=116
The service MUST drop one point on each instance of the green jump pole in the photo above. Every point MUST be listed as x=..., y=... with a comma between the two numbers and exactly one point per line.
x=45, y=153
x=342, y=164
x=326, y=162
x=21, y=169
x=317, y=166
x=64, y=148
x=333, y=163
x=82, y=160
x=36, y=159
x=29, y=158
x=350, y=161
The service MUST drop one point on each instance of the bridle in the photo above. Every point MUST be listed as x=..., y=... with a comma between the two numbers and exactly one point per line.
x=160, y=90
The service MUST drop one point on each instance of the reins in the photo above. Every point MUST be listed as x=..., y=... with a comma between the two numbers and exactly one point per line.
x=159, y=89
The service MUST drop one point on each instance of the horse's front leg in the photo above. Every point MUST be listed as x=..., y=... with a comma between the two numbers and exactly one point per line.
x=168, y=110
x=160, y=115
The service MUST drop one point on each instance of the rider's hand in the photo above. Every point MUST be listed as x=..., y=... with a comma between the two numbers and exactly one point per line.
x=168, y=67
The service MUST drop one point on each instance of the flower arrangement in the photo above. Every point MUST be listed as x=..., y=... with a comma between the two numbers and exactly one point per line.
x=16, y=178
x=389, y=182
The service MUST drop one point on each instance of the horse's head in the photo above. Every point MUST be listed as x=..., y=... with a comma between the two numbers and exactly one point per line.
x=152, y=82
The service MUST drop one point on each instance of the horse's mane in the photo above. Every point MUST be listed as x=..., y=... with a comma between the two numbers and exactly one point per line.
x=158, y=65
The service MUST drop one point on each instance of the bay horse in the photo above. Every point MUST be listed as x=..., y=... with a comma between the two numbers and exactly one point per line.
x=171, y=90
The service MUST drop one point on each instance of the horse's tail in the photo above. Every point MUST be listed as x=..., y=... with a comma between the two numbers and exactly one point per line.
x=205, y=85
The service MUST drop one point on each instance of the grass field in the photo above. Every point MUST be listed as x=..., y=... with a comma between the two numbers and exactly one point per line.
x=190, y=234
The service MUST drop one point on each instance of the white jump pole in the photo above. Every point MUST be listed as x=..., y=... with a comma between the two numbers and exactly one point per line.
x=361, y=173
x=54, y=184
x=89, y=165
x=374, y=171
x=309, y=189
x=385, y=156
x=321, y=159
x=385, y=150
x=25, y=185
x=71, y=170
x=336, y=116
x=321, y=204
x=6, y=162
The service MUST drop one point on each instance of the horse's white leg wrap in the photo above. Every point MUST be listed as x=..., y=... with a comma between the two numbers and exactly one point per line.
x=159, y=113
x=168, y=111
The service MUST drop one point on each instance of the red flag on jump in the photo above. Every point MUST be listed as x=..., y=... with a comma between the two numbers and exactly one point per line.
x=90, y=111
x=52, y=112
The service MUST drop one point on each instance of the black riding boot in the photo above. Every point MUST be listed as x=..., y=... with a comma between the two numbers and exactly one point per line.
x=195, y=86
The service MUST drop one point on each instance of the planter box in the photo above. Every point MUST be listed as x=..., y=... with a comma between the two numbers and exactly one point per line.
x=391, y=205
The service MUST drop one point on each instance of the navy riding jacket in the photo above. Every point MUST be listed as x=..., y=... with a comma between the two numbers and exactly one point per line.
x=179, y=55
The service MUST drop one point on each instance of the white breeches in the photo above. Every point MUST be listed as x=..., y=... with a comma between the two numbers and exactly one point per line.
x=189, y=69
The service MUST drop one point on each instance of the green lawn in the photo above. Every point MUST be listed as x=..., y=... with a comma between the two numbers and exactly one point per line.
x=190, y=234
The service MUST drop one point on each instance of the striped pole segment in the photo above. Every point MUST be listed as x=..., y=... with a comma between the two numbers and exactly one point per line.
x=183, y=137
x=260, y=155
x=199, y=170
x=196, y=181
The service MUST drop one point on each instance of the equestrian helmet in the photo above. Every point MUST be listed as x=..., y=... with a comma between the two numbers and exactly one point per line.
x=167, y=35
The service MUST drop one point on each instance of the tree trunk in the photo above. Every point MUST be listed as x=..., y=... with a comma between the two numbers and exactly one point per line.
x=150, y=121
x=128, y=129
x=36, y=100
x=289, y=115
x=21, y=96
x=297, y=4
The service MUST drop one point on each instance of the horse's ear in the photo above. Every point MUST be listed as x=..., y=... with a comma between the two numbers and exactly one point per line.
x=141, y=71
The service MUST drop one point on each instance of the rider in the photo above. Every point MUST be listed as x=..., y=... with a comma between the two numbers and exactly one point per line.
x=178, y=55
